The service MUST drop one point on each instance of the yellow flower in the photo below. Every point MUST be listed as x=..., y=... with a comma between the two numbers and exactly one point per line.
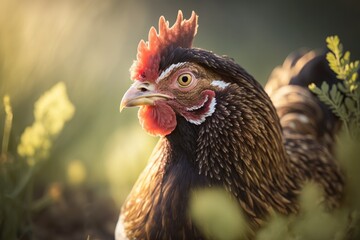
x=51, y=112
x=312, y=86
x=53, y=109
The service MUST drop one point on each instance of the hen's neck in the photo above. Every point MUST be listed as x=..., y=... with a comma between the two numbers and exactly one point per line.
x=183, y=139
x=161, y=195
x=241, y=146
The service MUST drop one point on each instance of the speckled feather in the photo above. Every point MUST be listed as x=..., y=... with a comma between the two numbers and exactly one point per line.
x=241, y=147
x=309, y=127
x=260, y=146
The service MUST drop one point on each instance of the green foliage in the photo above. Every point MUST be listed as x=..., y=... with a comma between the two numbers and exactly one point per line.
x=217, y=214
x=340, y=63
x=344, y=97
x=51, y=112
x=313, y=221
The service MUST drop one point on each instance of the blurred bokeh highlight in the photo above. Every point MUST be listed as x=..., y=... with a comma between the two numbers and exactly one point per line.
x=90, y=44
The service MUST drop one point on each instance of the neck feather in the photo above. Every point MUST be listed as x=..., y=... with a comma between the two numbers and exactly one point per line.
x=241, y=146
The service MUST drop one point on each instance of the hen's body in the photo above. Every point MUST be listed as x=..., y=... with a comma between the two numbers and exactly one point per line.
x=308, y=126
x=259, y=149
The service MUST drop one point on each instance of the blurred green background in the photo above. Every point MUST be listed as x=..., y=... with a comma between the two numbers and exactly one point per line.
x=90, y=45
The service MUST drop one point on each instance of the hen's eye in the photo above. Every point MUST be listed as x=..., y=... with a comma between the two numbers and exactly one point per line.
x=184, y=80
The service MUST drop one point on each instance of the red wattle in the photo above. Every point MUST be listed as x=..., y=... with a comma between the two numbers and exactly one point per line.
x=158, y=120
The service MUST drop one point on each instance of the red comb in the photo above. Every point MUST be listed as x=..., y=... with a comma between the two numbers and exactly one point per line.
x=149, y=54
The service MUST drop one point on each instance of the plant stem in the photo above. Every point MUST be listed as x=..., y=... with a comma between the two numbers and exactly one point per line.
x=29, y=199
x=7, y=126
x=23, y=183
x=347, y=129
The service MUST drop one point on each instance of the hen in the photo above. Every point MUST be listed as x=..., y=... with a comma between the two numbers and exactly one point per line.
x=219, y=127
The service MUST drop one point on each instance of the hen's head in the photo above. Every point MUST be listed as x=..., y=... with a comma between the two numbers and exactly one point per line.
x=171, y=78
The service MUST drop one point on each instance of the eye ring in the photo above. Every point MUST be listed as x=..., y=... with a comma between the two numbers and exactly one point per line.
x=184, y=80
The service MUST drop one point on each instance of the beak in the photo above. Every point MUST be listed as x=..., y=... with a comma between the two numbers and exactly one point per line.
x=141, y=93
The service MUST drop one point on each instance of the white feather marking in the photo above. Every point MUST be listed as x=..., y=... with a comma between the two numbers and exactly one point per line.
x=120, y=230
x=207, y=114
x=303, y=118
x=167, y=71
x=220, y=84
x=212, y=108
x=193, y=108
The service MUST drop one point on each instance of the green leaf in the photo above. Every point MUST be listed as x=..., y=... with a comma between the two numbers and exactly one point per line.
x=330, y=57
x=341, y=87
x=346, y=57
x=353, y=88
x=357, y=64
x=314, y=88
x=339, y=99
x=354, y=76
x=344, y=97
x=333, y=92
x=227, y=222
x=333, y=63
x=333, y=43
x=325, y=87
x=350, y=104
x=343, y=113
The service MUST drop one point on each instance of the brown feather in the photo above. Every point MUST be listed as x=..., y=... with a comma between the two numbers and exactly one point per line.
x=261, y=147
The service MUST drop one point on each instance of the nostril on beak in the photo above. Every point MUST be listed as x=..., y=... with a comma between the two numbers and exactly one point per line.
x=144, y=87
